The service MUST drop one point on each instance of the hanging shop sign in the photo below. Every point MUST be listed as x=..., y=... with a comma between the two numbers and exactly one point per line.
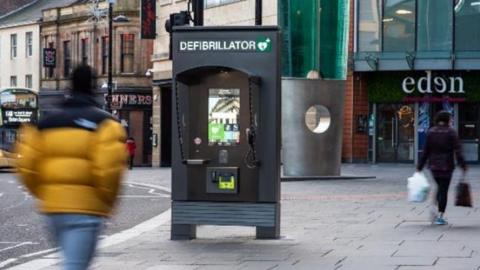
x=132, y=100
x=18, y=116
x=49, y=57
x=149, y=19
x=430, y=85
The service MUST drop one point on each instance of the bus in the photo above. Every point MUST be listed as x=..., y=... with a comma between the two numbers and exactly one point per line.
x=17, y=106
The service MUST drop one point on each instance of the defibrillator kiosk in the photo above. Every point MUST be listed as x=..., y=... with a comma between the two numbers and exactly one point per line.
x=226, y=135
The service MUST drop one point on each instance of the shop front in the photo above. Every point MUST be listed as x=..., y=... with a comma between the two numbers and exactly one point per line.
x=134, y=110
x=402, y=106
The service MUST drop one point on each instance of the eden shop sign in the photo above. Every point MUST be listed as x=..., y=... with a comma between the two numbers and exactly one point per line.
x=431, y=85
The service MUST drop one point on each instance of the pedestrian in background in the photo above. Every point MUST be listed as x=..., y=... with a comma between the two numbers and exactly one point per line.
x=73, y=162
x=131, y=147
x=441, y=148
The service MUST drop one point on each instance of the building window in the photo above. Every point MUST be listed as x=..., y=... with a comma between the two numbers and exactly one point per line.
x=67, y=58
x=28, y=81
x=370, y=17
x=399, y=26
x=13, y=45
x=467, y=32
x=28, y=44
x=214, y=3
x=104, y=55
x=84, y=51
x=127, y=53
x=13, y=81
x=435, y=25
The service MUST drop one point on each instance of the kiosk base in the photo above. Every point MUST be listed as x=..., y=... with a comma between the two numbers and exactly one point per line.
x=186, y=215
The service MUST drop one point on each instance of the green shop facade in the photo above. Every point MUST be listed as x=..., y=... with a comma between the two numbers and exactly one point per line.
x=411, y=59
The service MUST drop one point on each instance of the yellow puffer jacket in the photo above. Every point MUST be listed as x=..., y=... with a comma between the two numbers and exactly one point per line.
x=72, y=168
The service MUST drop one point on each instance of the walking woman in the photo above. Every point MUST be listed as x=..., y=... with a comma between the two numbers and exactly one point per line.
x=440, y=148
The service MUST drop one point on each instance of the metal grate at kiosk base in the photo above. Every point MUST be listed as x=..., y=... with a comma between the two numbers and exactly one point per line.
x=241, y=214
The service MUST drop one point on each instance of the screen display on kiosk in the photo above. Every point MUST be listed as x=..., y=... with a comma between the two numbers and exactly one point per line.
x=223, y=117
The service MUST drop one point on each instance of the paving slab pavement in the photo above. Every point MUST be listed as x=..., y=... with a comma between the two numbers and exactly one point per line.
x=339, y=224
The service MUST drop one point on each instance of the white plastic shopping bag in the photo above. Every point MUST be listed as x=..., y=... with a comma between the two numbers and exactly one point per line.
x=418, y=187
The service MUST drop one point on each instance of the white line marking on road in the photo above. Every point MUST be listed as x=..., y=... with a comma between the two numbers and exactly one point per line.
x=19, y=245
x=7, y=262
x=39, y=253
x=144, y=196
x=35, y=264
x=152, y=186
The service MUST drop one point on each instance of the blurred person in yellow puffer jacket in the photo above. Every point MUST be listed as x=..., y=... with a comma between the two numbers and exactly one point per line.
x=73, y=162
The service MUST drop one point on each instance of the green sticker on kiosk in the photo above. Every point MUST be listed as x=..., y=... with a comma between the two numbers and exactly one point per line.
x=216, y=132
x=226, y=183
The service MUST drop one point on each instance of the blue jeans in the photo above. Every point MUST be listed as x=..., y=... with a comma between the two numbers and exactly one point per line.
x=77, y=236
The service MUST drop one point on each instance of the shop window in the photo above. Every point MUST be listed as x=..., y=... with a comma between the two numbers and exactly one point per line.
x=467, y=32
x=13, y=46
x=29, y=44
x=67, y=58
x=127, y=53
x=84, y=51
x=398, y=26
x=369, y=16
x=104, y=55
x=435, y=25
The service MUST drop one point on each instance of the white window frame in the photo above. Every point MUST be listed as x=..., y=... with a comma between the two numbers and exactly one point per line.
x=28, y=44
x=29, y=81
x=13, y=81
x=13, y=46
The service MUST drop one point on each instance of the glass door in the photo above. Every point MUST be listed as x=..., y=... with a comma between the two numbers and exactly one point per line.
x=395, y=133
x=468, y=130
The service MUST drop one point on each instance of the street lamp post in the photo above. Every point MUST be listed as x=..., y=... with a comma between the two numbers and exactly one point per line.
x=110, y=54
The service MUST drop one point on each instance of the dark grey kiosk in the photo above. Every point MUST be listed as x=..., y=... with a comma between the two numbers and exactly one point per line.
x=226, y=149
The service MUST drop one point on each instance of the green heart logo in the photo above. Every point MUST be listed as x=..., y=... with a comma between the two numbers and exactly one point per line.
x=215, y=130
x=264, y=44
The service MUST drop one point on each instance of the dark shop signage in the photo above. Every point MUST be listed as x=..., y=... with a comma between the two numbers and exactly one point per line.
x=17, y=117
x=132, y=100
x=261, y=44
x=49, y=57
x=148, y=17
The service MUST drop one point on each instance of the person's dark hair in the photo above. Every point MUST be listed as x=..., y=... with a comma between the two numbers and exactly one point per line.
x=83, y=80
x=442, y=117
